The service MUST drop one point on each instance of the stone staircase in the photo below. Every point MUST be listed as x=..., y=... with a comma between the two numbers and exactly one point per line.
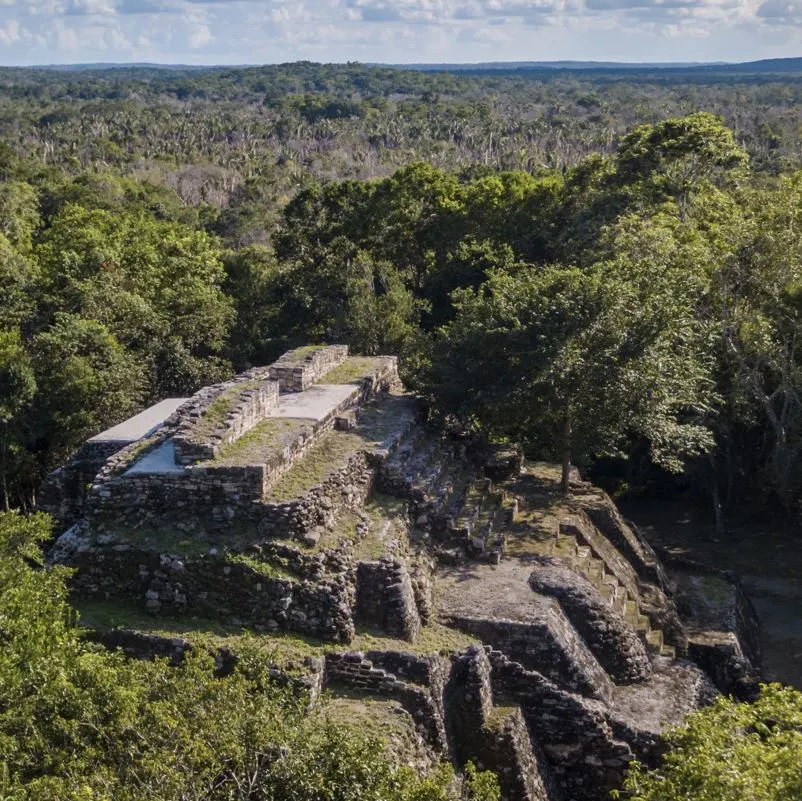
x=582, y=560
x=482, y=520
x=462, y=509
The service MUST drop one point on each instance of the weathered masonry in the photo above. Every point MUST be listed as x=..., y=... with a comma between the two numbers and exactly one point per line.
x=308, y=503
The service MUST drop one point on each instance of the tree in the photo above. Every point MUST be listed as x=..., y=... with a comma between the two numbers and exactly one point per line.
x=87, y=381
x=575, y=361
x=676, y=156
x=17, y=389
x=730, y=752
x=155, y=285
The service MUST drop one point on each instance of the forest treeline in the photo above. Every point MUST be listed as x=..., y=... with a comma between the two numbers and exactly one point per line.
x=240, y=142
x=638, y=298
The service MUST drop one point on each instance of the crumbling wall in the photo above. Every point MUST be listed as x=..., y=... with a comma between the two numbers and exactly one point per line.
x=198, y=440
x=298, y=369
x=612, y=640
x=547, y=643
x=585, y=758
x=64, y=492
x=477, y=732
x=358, y=673
x=217, y=494
x=385, y=598
x=223, y=588
x=345, y=488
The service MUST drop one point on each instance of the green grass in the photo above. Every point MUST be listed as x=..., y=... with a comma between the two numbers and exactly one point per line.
x=268, y=438
x=299, y=354
x=498, y=716
x=163, y=536
x=277, y=568
x=323, y=457
x=382, y=509
x=279, y=648
x=218, y=410
x=97, y=614
x=351, y=371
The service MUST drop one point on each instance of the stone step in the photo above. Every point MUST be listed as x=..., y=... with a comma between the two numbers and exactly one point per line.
x=564, y=546
x=458, y=488
x=491, y=503
x=471, y=508
x=654, y=641
x=668, y=651
x=406, y=449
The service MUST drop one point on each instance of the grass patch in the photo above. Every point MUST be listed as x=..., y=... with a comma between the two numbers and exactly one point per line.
x=218, y=410
x=497, y=717
x=268, y=438
x=387, y=522
x=323, y=457
x=435, y=638
x=277, y=568
x=716, y=589
x=97, y=614
x=351, y=371
x=381, y=719
x=163, y=536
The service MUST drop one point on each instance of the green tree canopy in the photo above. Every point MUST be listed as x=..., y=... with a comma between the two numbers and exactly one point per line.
x=730, y=752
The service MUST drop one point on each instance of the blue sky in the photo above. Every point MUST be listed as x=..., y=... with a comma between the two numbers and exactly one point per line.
x=395, y=31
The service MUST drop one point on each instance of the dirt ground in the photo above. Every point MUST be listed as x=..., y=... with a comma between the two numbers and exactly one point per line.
x=767, y=557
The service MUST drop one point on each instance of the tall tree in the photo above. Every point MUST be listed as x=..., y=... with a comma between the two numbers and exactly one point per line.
x=575, y=361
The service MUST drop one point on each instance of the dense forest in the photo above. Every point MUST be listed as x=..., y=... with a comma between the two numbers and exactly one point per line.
x=161, y=229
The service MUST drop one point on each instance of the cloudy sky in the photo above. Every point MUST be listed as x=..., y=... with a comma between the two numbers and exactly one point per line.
x=395, y=31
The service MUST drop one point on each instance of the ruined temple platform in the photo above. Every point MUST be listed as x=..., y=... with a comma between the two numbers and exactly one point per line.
x=440, y=588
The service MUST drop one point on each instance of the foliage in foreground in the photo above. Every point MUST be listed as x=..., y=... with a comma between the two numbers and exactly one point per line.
x=80, y=724
x=730, y=752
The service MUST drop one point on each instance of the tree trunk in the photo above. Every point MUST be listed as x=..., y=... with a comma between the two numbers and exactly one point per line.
x=565, y=483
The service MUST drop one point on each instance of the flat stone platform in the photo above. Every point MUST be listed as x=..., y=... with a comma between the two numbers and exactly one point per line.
x=161, y=460
x=142, y=424
x=315, y=403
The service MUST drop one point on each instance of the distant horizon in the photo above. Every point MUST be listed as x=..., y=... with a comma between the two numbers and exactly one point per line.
x=489, y=65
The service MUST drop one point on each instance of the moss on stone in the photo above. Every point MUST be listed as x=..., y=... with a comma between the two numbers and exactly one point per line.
x=262, y=442
x=324, y=457
x=218, y=410
x=352, y=370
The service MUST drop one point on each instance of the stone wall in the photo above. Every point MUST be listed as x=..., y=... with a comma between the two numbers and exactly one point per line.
x=611, y=639
x=385, y=598
x=297, y=370
x=585, y=758
x=199, y=440
x=475, y=733
x=217, y=587
x=359, y=674
x=317, y=509
x=214, y=494
x=547, y=643
x=64, y=492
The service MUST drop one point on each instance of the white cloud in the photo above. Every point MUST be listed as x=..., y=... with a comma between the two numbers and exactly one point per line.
x=259, y=31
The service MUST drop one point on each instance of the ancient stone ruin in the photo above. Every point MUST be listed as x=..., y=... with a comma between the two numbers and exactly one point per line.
x=487, y=616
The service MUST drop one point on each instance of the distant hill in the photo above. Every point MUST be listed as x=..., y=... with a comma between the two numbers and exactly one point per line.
x=669, y=70
x=765, y=66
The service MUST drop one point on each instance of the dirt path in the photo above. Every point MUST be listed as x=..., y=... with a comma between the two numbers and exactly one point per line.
x=767, y=558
